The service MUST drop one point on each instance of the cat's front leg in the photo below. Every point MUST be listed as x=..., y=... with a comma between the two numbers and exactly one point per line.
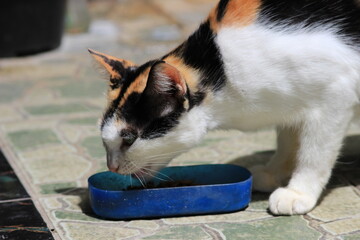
x=278, y=170
x=320, y=138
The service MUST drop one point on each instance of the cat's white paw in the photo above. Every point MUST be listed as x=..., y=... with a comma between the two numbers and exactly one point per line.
x=285, y=201
x=263, y=180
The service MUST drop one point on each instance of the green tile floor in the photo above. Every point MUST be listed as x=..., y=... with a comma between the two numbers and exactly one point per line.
x=49, y=106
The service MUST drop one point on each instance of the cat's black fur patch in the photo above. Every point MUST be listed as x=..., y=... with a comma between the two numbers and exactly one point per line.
x=142, y=111
x=160, y=126
x=201, y=52
x=221, y=9
x=114, y=83
x=344, y=14
x=196, y=98
x=131, y=75
x=127, y=78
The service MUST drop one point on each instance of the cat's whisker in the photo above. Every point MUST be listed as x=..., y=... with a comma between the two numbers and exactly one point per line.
x=161, y=161
x=161, y=157
x=345, y=163
x=157, y=164
x=139, y=179
x=167, y=154
x=157, y=157
x=157, y=172
x=144, y=172
x=143, y=182
x=153, y=176
x=148, y=170
x=158, y=160
x=143, y=178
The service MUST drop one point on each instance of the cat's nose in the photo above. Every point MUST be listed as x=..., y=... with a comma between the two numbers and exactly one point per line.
x=112, y=164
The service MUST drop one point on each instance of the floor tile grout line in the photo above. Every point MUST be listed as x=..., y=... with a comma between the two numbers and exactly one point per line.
x=215, y=233
x=15, y=200
x=315, y=224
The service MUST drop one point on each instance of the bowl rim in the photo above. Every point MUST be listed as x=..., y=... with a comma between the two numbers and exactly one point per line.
x=248, y=179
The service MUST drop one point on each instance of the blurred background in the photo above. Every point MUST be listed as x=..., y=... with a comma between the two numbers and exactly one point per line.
x=152, y=26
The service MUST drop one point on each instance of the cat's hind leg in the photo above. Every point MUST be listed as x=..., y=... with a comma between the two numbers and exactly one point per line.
x=278, y=170
x=320, y=139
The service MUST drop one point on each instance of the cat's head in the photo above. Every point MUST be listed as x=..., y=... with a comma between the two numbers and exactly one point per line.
x=147, y=121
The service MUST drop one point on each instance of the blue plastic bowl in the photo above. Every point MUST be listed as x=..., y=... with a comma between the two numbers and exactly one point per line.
x=218, y=188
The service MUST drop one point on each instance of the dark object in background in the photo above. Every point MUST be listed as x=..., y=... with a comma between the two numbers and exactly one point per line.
x=30, y=26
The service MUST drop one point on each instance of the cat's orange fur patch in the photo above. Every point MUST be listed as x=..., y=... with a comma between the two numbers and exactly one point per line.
x=113, y=94
x=212, y=20
x=238, y=13
x=189, y=74
x=241, y=12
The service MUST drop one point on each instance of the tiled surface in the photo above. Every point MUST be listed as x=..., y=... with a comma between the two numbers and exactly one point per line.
x=49, y=106
x=10, y=186
x=19, y=218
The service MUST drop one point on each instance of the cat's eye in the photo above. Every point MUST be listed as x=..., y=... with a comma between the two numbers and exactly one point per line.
x=128, y=138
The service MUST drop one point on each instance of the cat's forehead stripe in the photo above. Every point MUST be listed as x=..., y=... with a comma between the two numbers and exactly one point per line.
x=132, y=83
x=114, y=96
x=137, y=86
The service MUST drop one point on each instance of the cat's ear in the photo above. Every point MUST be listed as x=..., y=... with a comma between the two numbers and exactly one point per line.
x=165, y=79
x=165, y=90
x=116, y=67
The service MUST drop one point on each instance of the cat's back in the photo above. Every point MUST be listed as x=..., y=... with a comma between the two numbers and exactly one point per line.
x=286, y=47
x=271, y=43
x=341, y=16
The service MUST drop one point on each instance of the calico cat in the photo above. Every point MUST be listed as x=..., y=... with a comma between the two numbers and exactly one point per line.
x=294, y=64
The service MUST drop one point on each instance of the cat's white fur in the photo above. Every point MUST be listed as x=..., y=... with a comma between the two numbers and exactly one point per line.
x=307, y=83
